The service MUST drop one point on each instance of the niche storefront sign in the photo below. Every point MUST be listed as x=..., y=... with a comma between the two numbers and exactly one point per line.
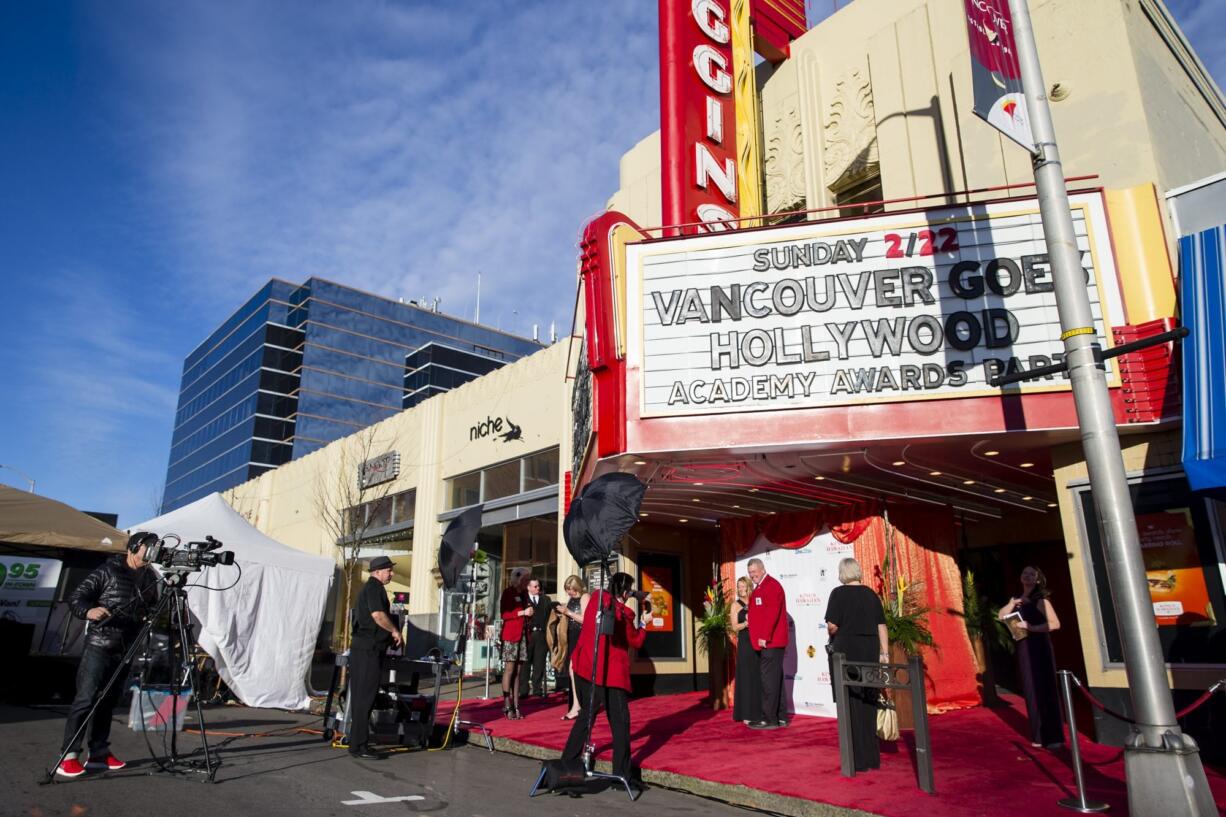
x=900, y=307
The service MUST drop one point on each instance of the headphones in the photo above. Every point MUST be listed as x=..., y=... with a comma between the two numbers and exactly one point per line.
x=142, y=537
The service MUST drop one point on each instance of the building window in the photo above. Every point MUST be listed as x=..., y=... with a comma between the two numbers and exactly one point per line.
x=402, y=507
x=539, y=470
x=863, y=189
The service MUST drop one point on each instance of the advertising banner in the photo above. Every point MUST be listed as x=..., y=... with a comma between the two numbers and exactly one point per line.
x=808, y=576
x=1173, y=568
x=27, y=590
x=658, y=585
x=908, y=306
x=995, y=75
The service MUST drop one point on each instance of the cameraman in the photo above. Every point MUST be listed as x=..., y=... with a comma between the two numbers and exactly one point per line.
x=113, y=599
x=612, y=678
x=373, y=631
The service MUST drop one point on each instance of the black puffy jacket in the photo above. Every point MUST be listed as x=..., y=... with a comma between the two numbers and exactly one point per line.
x=127, y=593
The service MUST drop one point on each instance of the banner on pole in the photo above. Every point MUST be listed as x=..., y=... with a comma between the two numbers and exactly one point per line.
x=995, y=74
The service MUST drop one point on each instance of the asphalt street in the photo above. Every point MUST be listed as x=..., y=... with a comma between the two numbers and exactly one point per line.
x=289, y=772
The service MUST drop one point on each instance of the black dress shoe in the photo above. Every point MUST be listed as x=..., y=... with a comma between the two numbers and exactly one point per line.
x=764, y=725
x=367, y=754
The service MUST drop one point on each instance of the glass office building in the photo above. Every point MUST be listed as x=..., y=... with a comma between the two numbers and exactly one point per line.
x=300, y=365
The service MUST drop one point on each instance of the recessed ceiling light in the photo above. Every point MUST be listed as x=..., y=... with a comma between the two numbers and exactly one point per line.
x=753, y=490
x=1051, y=504
x=683, y=520
x=990, y=453
x=640, y=462
x=1000, y=490
x=698, y=483
x=736, y=506
x=968, y=482
x=900, y=462
x=694, y=500
x=770, y=513
x=1026, y=464
x=642, y=514
x=1027, y=498
x=819, y=477
x=934, y=473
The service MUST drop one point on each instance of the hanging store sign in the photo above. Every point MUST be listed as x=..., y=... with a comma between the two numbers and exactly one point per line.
x=887, y=308
x=384, y=468
x=996, y=77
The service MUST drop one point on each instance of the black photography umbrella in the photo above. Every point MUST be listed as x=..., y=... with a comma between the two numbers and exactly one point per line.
x=600, y=516
x=457, y=546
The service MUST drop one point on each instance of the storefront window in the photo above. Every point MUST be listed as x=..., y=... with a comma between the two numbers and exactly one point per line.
x=465, y=490
x=541, y=470
x=1182, y=565
x=379, y=513
x=501, y=480
x=532, y=544
x=402, y=507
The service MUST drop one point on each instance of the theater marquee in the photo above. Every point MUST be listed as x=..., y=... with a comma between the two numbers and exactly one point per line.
x=897, y=307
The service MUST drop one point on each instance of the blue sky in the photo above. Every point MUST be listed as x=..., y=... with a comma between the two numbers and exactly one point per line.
x=160, y=161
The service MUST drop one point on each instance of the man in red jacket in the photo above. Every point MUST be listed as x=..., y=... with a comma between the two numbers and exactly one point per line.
x=612, y=675
x=768, y=632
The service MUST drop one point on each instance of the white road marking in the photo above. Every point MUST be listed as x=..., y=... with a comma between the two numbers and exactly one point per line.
x=365, y=798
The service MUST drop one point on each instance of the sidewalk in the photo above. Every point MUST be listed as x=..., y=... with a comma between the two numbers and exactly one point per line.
x=984, y=765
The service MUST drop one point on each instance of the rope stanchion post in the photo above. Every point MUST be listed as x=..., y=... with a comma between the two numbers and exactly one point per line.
x=1079, y=803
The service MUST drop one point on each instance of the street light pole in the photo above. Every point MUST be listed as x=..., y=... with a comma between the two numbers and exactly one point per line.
x=24, y=476
x=1162, y=765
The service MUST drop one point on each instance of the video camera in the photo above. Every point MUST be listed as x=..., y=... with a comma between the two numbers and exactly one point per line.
x=189, y=557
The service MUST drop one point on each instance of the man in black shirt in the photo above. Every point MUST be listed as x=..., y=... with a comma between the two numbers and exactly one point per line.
x=373, y=631
x=534, y=635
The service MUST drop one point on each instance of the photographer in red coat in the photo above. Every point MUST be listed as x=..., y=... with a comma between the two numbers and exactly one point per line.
x=612, y=677
x=768, y=632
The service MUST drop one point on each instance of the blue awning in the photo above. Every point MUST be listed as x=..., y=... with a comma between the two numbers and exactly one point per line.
x=1203, y=300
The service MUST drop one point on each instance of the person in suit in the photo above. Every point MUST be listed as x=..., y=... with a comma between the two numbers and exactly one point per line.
x=768, y=632
x=534, y=637
x=611, y=678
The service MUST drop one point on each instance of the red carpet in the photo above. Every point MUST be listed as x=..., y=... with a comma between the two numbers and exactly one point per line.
x=983, y=763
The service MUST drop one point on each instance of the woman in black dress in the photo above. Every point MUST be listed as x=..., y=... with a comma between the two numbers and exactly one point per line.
x=576, y=604
x=1036, y=660
x=856, y=624
x=747, y=701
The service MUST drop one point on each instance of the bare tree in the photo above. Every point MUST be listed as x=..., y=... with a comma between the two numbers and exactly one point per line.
x=346, y=509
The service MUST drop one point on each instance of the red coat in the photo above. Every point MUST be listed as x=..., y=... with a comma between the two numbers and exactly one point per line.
x=768, y=614
x=513, y=601
x=613, y=669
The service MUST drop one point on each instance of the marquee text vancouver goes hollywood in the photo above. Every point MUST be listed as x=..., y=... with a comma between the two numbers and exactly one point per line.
x=924, y=334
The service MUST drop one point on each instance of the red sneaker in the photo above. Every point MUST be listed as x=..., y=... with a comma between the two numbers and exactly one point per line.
x=109, y=762
x=70, y=767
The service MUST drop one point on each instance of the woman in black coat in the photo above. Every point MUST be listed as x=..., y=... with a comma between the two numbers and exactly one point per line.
x=856, y=623
x=747, y=700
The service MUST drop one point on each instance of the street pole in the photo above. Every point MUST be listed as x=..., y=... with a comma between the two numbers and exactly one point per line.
x=1162, y=765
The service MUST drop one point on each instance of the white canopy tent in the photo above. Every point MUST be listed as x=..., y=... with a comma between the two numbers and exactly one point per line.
x=261, y=633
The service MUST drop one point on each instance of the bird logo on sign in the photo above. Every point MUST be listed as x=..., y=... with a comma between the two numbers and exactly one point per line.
x=512, y=433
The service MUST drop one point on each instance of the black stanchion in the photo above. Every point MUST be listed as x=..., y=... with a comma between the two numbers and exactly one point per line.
x=1079, y=803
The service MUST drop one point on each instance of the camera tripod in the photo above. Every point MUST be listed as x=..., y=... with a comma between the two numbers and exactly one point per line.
x=173, y=601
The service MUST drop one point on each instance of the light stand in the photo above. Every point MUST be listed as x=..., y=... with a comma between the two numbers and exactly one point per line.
x=174, y=601
x=470, y=600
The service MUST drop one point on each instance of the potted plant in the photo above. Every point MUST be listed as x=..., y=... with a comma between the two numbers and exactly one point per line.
x=906, y=623
x=983, y=627
x=713, y=631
